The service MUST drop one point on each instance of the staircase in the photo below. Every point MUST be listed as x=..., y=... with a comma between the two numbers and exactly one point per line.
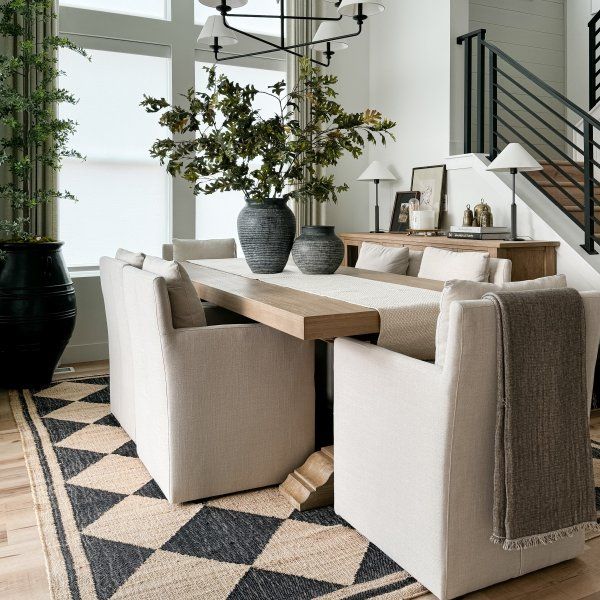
x=562, y=191
x=512, y=104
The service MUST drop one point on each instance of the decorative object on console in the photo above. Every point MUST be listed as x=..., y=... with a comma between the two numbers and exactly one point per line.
x=480, y=209
x=431, y=182
x=478, y=233
x=318, y=251
x=514, y=159
x=468, y=217
x=267, y=156
x=376, y=172
x=219, y=32
x=400, y=221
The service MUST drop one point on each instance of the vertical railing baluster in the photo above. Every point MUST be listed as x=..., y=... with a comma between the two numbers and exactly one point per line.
x=480, y=93
x=493, y=105
x=588, y=187
x=592, y=62
x=468, y=94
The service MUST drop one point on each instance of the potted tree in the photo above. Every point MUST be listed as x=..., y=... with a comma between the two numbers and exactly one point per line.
x=270, y=159
x=37, y=299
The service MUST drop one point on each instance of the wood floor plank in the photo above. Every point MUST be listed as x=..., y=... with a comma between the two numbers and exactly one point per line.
x=23, y=570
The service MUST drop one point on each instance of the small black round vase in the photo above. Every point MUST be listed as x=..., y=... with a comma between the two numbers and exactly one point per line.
x=37, y=312
x=318, y=251
x=266, y=230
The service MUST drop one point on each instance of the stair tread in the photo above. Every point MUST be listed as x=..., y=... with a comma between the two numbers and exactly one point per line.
x=559, y=184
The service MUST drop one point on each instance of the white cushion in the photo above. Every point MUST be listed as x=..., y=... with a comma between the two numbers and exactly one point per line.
x=470, y=290
x=186, y=306
x=375, y=257
x=135, y=259
x=444, y=265
x=414, y=266
x=203, y=249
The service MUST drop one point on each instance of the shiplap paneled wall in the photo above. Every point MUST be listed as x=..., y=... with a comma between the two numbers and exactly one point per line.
x=533, y=33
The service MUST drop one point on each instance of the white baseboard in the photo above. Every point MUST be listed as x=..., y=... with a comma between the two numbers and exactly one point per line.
x=84, y=353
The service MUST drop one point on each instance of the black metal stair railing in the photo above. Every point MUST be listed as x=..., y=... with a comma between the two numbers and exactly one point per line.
x=594, y=60
x=513, y=104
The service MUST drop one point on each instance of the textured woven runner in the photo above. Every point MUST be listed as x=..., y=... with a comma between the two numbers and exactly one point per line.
x=408, y=314
x=109, y=533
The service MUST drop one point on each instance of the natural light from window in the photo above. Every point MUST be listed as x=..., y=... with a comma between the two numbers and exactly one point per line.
x=254, y=7
x=216, y=214
x=124, y=195
x=156, y=9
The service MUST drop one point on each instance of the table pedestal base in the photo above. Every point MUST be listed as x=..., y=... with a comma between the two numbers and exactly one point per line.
x=311, y=485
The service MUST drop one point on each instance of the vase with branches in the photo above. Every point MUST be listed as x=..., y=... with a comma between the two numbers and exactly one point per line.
x=37, y=299
x=221, y=142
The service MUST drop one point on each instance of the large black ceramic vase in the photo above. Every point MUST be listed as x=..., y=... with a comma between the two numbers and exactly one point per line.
x=37, y=312
x=318, y=251
x=266, y=230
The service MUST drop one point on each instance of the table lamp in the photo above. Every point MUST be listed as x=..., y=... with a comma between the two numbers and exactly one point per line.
x=514, y=159
x=376, y=172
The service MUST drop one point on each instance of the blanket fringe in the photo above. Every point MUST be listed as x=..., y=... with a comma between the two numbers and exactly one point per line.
x=544, y=539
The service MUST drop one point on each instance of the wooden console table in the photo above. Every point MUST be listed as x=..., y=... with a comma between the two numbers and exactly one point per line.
x=530, y=259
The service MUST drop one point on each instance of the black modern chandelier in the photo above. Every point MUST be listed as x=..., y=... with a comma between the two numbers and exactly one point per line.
x=218, y=31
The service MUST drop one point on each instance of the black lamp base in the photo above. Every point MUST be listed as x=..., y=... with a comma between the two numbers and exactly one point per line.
x=377, y=231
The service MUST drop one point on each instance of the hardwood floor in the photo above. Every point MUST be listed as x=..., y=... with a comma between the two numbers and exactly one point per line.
x=23, y=572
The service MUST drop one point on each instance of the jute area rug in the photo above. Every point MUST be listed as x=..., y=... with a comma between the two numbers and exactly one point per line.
x=108, y=532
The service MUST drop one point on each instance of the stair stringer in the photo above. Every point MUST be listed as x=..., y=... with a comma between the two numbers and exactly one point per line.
x=538, y=217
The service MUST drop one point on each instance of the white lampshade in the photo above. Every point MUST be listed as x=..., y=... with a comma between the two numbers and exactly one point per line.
x=349, y=8
x=514, y=156
x=376, y=171
x=230, y=3
x=214, y=28
x=328, y=30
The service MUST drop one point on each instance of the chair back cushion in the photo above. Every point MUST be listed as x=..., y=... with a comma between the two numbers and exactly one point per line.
x=500, y=270
x=203, y=249
x=444, y=265
x=414, y=264
x=375, y=257
x=135, y=259
x=186, y=306
x=457, y=290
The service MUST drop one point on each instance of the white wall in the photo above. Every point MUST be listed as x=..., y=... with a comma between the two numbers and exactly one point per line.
x=578, y=14
x=412, y=50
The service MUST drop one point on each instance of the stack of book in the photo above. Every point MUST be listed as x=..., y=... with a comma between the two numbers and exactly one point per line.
x=478, y=233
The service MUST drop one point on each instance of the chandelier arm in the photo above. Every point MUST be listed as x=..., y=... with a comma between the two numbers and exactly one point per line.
x=328, y=40
x=292, y=17
x=261, y=52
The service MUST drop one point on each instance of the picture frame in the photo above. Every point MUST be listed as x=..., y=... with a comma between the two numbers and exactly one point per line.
x=431, y=183
x=400, y=221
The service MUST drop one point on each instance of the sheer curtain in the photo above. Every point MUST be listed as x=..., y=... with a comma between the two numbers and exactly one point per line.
x=299, y=31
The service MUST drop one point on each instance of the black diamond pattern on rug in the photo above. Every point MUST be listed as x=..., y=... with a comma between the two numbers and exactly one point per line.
x=108, y=420
x=375, y=565
x=45, y=406
x=151, y=490
x=319, y=516
x=59, y=430
x=112, y=563
x=261, y=585
x=89, y=504
x=99, y=397
x=128, y=449
x=224, y=535
x=72, y=462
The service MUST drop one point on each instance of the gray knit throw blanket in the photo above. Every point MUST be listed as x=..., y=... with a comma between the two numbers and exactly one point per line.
x=543, y=476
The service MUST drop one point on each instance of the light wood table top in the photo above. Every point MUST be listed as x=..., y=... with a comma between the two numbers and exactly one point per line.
x=300, y=314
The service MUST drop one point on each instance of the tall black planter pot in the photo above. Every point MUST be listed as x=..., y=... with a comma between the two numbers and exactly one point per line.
x=266, y=231
x=37, y=312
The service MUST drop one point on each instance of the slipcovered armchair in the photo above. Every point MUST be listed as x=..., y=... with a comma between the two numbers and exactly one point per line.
x=218, y=409
x=414, y=454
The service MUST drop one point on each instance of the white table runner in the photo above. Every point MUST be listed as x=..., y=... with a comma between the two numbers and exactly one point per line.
x=408, y=314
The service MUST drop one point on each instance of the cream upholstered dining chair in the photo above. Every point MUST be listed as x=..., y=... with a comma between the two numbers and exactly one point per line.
x=414, y=454
x=182, y=250
x=218, y=409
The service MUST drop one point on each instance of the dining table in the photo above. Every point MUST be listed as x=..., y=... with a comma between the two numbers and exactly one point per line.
x=307, y=316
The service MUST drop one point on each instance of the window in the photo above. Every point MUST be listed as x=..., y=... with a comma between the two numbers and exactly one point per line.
x=216, y=214
x=156, y=9
x=269, y=27
x=125, y=197
x=123, y=193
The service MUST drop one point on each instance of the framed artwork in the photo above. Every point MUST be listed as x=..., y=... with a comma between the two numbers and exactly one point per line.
x=400, y=215
x=431, y=183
